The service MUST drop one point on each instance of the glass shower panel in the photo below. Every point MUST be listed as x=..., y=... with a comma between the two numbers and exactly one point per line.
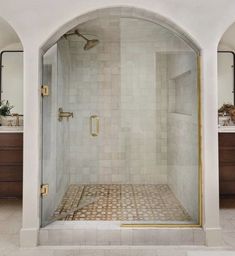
x=54, y=134
x=159, y=109
x=182, y=131
x=130, y=152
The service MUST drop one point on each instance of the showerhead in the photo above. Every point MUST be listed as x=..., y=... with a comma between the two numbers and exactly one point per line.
x=89, y=43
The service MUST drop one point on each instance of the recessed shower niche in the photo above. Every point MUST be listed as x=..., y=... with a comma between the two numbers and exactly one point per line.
x=120, y=125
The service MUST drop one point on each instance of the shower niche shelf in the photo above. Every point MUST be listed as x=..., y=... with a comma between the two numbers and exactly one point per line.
x=180, y=89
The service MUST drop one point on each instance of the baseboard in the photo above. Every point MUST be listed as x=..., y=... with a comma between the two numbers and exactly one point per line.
x=29, y=237
x=213, y=237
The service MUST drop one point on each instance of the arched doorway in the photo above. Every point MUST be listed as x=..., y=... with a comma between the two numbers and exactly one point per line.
x=121, y=137
x=226, y=84
x=11, y=111
x=11, y=130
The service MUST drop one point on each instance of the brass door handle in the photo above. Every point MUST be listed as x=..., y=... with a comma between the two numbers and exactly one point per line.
x=94, y=125
x=62, y=114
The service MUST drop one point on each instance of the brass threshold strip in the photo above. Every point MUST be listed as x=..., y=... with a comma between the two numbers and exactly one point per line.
x=160, y=226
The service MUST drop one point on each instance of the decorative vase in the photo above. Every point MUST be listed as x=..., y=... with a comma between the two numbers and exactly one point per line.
x=7, y=120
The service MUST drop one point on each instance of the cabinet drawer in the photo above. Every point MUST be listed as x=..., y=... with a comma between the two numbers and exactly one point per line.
x=11, y=140
x=11, y=156
x=227, y=155
x=227, y=139
x=10, y=189
x=11, y=173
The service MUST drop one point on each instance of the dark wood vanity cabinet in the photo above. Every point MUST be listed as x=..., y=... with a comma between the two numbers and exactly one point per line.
x=227, y=163
x=11, y=164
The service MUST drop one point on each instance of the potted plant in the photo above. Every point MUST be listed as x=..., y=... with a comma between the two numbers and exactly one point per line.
x=5, y=112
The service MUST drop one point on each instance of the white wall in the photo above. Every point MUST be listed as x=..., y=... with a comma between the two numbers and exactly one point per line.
x=13, y=74
x=12, y=80
x=225, y=79
x=8, y=35
x=191, y=16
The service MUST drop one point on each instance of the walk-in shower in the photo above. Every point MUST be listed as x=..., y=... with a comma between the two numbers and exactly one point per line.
x=131, y=152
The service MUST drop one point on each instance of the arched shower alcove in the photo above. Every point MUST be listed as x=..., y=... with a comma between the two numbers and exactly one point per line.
x=11, y=94
x=121, y=138
x=226, y=102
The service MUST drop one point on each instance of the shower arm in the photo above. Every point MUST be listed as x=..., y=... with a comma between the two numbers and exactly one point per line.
x=77, y=33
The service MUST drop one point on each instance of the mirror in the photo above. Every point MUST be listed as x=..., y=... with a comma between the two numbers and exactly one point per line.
x=225, y=78
x=12, y=79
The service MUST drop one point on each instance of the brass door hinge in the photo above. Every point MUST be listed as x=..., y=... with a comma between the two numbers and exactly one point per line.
x=45, y=90
x=44, y=190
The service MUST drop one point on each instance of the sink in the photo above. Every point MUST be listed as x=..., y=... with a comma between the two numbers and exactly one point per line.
x=11, y=128
x=230, y=128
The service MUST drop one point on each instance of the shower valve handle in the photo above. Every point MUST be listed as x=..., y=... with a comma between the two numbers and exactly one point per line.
x=62, y=114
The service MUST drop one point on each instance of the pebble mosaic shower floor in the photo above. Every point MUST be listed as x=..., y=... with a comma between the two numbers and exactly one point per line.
x=121, y=203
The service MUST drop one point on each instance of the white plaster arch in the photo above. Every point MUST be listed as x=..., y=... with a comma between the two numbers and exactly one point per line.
x=227, y=40
x=43, y=32
x=126, y=11
x=225, y=29
x=11, y=34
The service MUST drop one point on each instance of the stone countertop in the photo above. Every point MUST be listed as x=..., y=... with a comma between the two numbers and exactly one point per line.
x=11, y=129
x=226, y=129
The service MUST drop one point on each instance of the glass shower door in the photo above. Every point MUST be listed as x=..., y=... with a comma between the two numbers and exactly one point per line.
x=49, y=78
x=55, y=132
x=53, y=164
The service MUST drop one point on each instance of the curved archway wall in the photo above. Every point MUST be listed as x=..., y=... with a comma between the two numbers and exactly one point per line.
x=124, y=12
x=127, y=173
x=34, y=33
x=13, y=73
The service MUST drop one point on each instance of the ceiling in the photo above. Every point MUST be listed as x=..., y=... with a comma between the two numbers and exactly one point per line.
x=7, y=34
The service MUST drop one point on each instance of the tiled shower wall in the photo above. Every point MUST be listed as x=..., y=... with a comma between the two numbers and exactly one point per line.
x=95, y=90
x=182, y=130
x=123, y=81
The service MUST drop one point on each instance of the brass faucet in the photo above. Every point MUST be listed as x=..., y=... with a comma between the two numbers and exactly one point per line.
x=62, y=114
x=17, y=119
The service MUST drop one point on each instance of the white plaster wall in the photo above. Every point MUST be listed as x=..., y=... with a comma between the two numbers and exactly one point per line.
x=13, y=46
x=12, y=80
x=205, y=29
x=14, y=74
x=8, y=35
x=225, y=79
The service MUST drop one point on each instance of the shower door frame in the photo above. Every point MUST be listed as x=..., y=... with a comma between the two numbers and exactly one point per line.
x=200, y=207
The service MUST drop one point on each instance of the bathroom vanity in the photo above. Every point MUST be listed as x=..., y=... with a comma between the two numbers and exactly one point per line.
x=227, y=160
x=11, y=161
